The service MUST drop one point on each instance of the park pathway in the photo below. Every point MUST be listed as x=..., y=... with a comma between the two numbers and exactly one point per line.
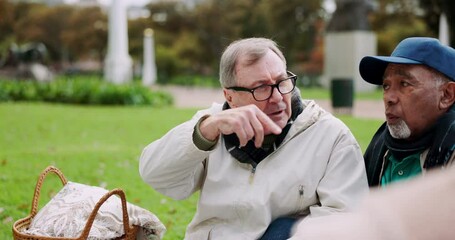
x=190, y=97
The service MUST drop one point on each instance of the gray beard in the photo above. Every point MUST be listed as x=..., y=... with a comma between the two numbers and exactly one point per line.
x=399, y=130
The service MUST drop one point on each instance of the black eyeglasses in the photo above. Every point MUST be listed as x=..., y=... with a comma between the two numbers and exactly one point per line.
x=264, y=92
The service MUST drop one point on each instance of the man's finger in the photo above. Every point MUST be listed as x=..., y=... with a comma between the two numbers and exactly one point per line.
x=268, y=124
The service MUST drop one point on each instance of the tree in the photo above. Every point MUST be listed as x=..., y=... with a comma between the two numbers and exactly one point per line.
x=187, y=41
x=292, y=24
x=6, y=19
x=85, y=35
x=215, y=27
x=43, y=24
x=136, y=29
x=174, y=37
x=434, y=9
x=395, y=20
x=6, y=29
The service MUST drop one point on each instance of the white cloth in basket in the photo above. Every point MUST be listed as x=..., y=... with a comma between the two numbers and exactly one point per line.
x=66, y=214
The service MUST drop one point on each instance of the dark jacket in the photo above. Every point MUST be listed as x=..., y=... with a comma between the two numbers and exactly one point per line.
x=441, y=149
x=374, y=156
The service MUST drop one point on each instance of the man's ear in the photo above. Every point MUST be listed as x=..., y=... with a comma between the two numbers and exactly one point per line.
x=448, y=97
x=228, y=96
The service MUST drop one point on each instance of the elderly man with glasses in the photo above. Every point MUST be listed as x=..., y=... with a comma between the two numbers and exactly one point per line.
x=263, y=160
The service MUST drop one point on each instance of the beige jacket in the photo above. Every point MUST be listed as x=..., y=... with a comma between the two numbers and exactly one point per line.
x=316, y=171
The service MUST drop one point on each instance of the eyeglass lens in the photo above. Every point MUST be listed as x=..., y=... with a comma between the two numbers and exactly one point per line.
x=265, y=92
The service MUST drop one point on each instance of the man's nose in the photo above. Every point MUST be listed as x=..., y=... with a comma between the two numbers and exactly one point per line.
x=390, y=97
x=276, y=95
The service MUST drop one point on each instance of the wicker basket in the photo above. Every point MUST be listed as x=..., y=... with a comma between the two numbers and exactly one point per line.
x=24, y=223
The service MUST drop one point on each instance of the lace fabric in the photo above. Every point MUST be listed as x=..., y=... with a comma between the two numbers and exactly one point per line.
x=66, y=214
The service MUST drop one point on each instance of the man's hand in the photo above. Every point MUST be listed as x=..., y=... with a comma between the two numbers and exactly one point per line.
x=247, y=122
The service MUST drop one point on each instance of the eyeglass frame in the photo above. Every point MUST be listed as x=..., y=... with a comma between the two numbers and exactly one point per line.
x=291, y=76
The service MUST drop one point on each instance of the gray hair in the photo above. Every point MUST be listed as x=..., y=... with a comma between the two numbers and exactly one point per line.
x=440, y=78
x=253, y=48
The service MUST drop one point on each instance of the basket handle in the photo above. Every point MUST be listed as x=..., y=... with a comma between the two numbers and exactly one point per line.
x=39, y=183
x=91, y=219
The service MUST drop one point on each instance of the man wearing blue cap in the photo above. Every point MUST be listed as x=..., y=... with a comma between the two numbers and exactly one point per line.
x=418, y=93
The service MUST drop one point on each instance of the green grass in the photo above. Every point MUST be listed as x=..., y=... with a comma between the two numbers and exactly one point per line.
x=96, y=146
x=323, y=93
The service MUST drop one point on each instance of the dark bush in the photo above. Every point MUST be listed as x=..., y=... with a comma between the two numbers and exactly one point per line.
x=77, y=91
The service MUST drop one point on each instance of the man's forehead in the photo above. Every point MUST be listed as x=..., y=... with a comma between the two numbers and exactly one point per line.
x=395, y=67
x=414, y=71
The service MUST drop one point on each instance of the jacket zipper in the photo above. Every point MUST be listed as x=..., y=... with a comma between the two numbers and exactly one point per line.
x=253, y=171
x=300, y=201
x=382, y=167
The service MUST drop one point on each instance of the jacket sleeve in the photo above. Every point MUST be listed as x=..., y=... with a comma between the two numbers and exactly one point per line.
x=173, y=165
x=344, y=183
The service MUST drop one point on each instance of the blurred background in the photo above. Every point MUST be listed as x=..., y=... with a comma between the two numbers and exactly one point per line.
x=190, y=35
x=160, y=54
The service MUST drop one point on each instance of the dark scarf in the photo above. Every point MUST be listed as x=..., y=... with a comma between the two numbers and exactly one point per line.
x=249, y=153
x=440, y=140
x=401, y=148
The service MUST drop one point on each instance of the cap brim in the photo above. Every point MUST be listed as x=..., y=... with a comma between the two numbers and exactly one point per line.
x=372, y=68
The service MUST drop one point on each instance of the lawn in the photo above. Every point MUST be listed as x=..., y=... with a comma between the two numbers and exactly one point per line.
x=323, y=93
x=96, y=146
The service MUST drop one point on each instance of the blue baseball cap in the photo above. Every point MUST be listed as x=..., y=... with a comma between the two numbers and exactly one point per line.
x=414, y=50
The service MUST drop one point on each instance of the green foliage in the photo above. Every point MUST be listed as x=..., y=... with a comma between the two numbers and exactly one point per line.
x=95, y=145
x=191, y=40
x=199, y=81
x=85, y=34
x=85, y=92
x=68, y=32
x=45, y=25
x=7, y=13
x=395, y=20
x=389, y=37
